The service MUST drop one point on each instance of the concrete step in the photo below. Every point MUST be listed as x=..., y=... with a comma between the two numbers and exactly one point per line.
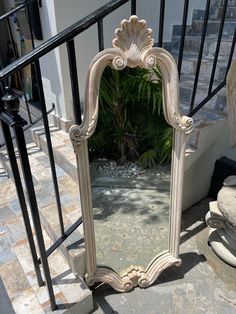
x=176, y=30
x=63, y=150
x=217, y=103
x=213, y=28
x=192, y=45
x=189, y=65
x=220, y=3
x=215, y=14
x=17, y=272
x=73, y=247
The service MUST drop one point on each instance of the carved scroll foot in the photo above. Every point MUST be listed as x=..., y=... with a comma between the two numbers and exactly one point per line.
x=133, y=276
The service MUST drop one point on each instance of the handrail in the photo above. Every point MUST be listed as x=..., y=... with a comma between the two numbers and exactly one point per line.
x=61, y=38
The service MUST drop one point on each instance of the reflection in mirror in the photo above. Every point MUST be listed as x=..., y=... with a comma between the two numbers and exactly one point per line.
x=131, y=154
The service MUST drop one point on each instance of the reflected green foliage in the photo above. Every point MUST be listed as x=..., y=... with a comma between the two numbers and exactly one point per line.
x=131, y=125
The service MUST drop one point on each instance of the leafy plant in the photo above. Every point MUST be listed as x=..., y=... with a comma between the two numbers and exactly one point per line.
x=131, y=125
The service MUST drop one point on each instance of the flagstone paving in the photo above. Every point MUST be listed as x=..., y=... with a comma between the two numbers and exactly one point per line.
x=19, y=291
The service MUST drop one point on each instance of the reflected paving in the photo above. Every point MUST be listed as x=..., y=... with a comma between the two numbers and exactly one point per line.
x=131, y=217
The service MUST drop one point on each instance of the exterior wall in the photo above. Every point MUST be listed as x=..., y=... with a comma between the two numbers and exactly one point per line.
x=67, y=13
x=214, y=143
x=51, y=66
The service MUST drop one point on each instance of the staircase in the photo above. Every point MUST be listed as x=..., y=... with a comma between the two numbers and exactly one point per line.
x=191, y=49
x=210, y=139
x=216, y=108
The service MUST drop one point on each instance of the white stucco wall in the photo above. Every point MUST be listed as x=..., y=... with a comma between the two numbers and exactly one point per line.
x=51, y=66
x=86, y=44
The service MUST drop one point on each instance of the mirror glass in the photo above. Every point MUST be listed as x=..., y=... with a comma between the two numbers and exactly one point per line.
x=130, y=156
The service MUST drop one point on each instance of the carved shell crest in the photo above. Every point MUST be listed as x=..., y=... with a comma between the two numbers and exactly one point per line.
x=133, y=38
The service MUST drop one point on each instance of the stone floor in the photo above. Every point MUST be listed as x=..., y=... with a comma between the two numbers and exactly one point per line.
x=19, y=292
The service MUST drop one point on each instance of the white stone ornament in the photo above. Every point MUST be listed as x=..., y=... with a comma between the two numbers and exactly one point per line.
x=134, y=39
x=132, y=47
x=222, y=220
x=222, y=215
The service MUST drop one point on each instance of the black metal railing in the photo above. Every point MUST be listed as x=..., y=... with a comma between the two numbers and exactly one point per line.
x=12, y=120
x=193, y=108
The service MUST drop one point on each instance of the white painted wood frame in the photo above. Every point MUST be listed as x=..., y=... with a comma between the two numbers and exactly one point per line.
x=132, y=47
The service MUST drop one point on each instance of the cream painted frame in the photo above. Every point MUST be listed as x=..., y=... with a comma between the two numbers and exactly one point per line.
x=132, y=47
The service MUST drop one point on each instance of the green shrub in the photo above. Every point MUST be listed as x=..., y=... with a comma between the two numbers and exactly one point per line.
x=131, y=125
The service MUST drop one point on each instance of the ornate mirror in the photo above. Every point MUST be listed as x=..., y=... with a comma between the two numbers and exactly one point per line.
x=132, y=234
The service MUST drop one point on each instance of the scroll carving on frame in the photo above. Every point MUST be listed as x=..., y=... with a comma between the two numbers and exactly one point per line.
x=132, y=47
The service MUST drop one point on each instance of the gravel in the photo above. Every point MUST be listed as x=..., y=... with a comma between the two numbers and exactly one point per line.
x=115, y=170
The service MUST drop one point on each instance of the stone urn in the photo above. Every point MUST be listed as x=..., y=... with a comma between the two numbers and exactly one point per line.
x=222, y=220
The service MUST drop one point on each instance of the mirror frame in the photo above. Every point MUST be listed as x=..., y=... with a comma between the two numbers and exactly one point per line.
x=132, y=47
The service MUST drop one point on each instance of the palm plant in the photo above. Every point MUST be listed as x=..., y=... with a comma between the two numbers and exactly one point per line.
x=131, y=125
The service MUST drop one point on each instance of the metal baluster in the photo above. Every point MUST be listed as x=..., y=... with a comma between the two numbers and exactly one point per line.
x=133, y=7
x=205, y=100
x=161, y=23
x=100, y=35
x=47, y=134
x=18, y=73
x=218, y=47
x=74, y=80
x=183, y=33
x=200, y=55
x=21, y=145
x=21, y=198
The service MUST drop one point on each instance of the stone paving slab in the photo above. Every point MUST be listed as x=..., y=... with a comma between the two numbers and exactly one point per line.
x=5, y=303
x=44, y=190
x=18, y=284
